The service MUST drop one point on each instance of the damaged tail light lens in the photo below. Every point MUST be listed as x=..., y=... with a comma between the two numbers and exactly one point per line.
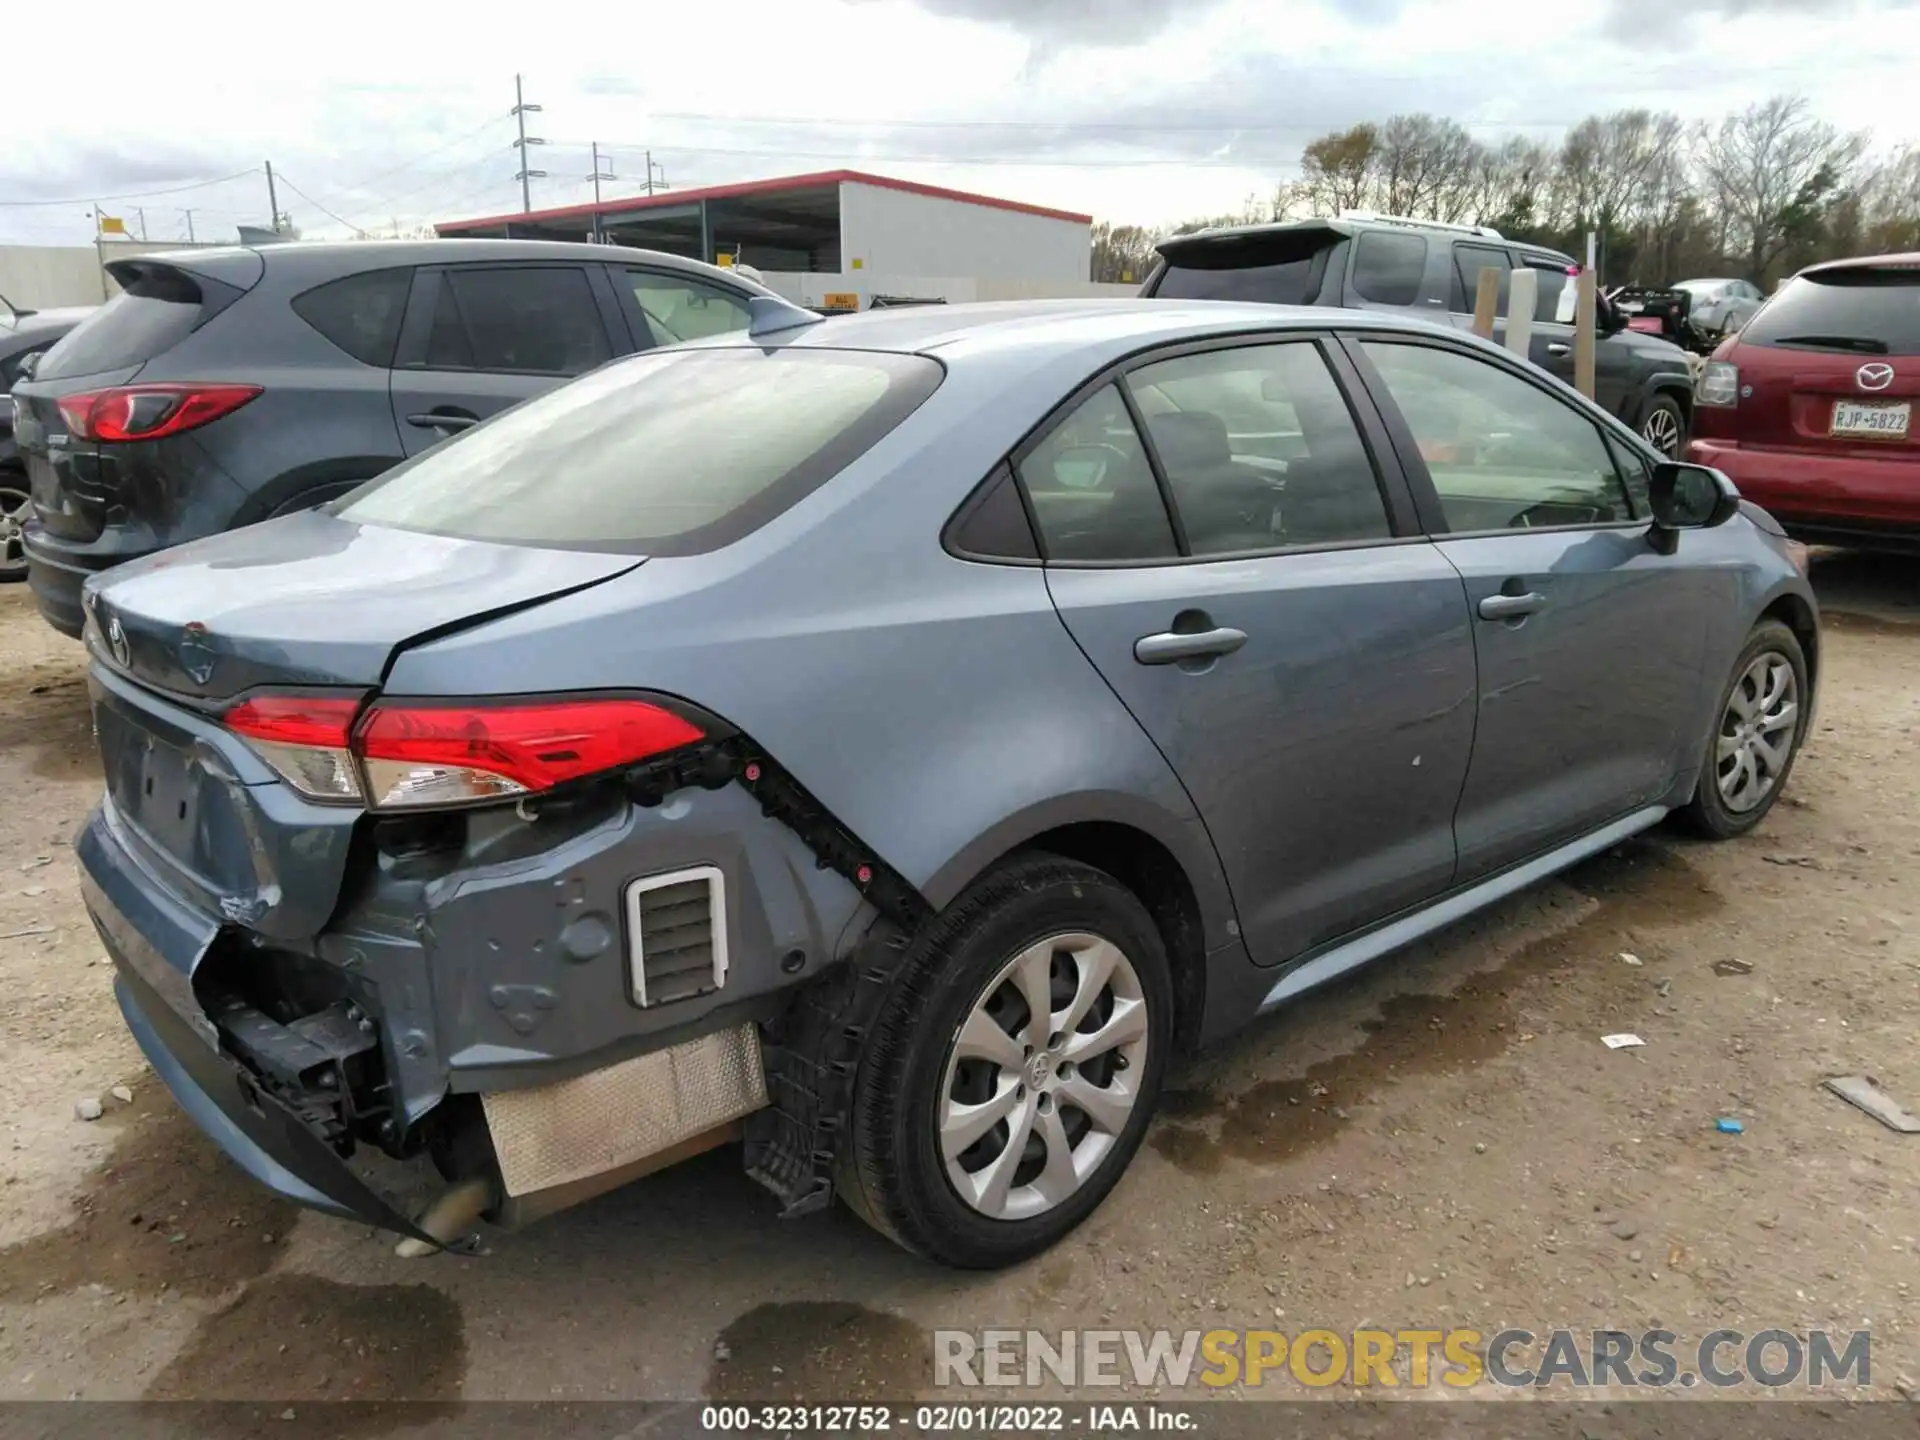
x=419, y=756
x=306, y=739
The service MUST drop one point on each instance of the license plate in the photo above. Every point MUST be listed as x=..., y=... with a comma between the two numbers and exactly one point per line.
x=1878, y=421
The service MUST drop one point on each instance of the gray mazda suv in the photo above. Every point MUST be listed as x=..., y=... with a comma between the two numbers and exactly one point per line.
x=225, y=386
x=886, y=741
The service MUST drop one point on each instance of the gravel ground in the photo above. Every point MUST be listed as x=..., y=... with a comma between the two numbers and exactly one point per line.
x=1442, y=1140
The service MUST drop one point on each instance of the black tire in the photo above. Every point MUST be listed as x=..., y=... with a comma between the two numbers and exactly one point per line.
x=891, y=1172
x=15, y=503
x=1665, y=412
x=1707, y=814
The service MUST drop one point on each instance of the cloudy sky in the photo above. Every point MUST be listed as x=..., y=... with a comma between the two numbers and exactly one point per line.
x=1134, y=110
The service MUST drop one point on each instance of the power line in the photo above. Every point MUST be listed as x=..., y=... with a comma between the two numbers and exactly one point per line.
x=287, y=181
x=135, y=194
x=1070, y=162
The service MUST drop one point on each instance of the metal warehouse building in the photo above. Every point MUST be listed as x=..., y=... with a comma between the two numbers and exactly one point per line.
x=832, y=236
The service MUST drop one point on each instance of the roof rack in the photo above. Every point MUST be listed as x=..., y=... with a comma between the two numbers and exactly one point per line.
x=1486, y=232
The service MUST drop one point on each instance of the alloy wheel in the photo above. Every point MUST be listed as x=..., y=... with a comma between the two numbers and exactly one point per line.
x=1757, y=732
x=1662, y=431
x=1041, y=1079
x=15, y=505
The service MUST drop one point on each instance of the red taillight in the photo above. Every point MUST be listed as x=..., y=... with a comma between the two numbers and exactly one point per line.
x=305, y=738
x=419, y=756
x=149, y=412
x=425, y=755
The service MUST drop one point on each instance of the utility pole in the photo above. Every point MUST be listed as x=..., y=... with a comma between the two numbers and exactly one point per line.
x=597, y=176
x=663, y=174
x=273, y=202
x=140, y=213
x=526, y=174
x=189, y=215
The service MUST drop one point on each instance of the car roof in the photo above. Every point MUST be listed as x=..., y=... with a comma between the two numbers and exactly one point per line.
x=1905, y=260
x=1347, y=227
x=1109, y=328
x=348, y=257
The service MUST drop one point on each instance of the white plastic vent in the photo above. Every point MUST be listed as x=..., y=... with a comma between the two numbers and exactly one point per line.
x=677, y=935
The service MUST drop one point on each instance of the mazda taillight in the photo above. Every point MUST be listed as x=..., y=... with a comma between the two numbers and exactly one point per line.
x=401, y=755
x=149, y=412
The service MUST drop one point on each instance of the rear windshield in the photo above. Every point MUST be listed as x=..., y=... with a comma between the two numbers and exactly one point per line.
x=1865, y=311
x=670, y=453
x=157, y=309
x=1283, y=269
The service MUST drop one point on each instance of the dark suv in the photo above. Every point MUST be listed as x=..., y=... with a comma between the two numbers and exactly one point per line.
x=226, y=386
x=23, y=335
x=1426, y=268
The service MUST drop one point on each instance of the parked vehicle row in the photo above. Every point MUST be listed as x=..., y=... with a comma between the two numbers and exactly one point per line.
x=1432, y=270
x=892, y=736
x=222, y=387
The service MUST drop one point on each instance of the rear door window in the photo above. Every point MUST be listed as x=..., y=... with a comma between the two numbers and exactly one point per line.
x=1468, y=262
x=669, y=453
x=1864, y=310
x=1388, y=267
x=1259, y=450
x=518, y=320
x=1092, y=488
x=677, y=308
x=359, y=313
x=158, y=307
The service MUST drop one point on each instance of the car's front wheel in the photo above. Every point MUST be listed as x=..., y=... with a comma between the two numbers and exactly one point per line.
x=1013, y=1071
x=1664, y=426
x=1762, y=720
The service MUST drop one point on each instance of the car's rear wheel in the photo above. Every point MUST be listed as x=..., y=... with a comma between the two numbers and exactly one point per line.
x=1013, y=1071
x=1762, y=720
x=16, y=504
x=1665, y=426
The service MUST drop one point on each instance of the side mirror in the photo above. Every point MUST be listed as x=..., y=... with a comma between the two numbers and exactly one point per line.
x=1082, y=467
x=1688, y=497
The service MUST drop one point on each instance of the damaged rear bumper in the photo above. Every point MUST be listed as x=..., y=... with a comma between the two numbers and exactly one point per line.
x=146, y=935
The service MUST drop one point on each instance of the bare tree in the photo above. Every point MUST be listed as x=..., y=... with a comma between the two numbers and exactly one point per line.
x=1425, y=166
x=1339, y=171
x=1763, y=167
x=1890, y=204
x=1122, y=254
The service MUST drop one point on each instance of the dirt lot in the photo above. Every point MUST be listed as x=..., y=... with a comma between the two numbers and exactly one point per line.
x=1442, y=1141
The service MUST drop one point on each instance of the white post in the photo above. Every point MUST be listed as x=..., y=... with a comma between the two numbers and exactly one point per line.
x=1523, y=294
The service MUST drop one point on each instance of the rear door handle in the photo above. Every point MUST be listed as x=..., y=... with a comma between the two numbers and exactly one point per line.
x=1171, y=646
x=443, y=420
x=1510, y=607
x=1559, y=351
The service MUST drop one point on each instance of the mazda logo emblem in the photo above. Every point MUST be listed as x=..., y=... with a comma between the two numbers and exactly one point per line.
x=1874, y=377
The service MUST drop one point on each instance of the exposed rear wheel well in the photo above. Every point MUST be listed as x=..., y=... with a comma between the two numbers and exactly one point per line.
x=1148, y=869
x=1797, y=616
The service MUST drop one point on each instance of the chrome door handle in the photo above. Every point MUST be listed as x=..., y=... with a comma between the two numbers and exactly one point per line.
x=443, y=420
x=1171, y=646
x=1559, y=351
x=1510, y=607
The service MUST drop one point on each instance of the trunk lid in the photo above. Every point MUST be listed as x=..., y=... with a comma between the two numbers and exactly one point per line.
x=1831, y=365
x=308, y=601
x=314, y=600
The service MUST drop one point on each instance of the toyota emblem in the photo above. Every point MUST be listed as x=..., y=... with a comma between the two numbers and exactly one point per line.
x=1877, y=376
x=117, y=640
